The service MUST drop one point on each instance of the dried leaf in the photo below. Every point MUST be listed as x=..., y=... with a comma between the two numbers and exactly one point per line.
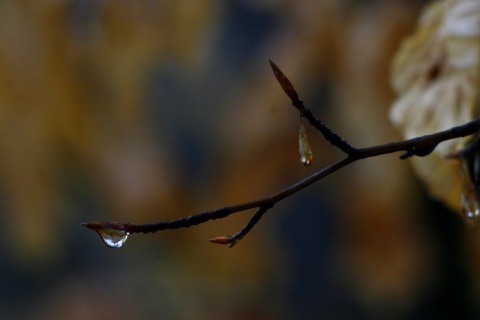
x=436, y=77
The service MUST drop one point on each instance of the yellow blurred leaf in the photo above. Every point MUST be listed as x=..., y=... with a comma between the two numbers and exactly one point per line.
x=435, y=75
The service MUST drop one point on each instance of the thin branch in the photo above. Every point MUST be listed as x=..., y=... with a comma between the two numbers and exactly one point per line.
x=220, y=213
x=420, y=146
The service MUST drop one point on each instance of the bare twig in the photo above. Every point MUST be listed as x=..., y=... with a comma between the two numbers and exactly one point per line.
x=420, y=146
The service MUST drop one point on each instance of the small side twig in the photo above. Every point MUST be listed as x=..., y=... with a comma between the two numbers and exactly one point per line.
x=420, y=146
x=232, y=240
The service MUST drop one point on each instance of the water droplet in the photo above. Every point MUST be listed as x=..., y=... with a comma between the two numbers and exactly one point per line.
x=110, y=233
x=469, y=200
x=306, y=155
x=113, y=238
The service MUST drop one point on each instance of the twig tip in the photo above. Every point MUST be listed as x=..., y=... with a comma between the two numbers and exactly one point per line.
x=284, y=82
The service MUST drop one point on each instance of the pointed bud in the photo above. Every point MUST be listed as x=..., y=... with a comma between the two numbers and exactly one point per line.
x=221, y=240
x=284, y=82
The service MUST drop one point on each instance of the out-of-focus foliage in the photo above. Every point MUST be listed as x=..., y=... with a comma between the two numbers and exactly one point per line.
x=74, y=77
x=435, y=75
x=141, y=111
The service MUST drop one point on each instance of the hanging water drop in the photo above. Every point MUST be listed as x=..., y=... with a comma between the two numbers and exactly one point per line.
x=306, y=155
x=469, y=202
x=113, y=238
x=109, y=232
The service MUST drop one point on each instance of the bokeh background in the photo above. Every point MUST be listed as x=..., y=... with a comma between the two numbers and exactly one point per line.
x=141, y=111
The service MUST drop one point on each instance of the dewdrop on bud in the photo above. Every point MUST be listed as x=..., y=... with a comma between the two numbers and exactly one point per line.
x=109, y=232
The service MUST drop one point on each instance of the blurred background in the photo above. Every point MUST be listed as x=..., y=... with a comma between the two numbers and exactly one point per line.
x=141, y=111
